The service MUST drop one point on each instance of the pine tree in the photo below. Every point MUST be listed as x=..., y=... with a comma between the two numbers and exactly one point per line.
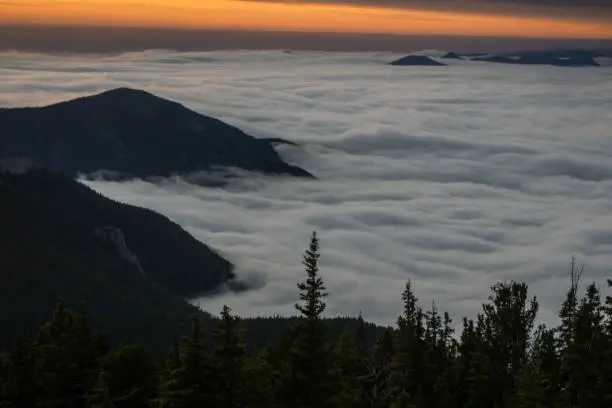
x=410, y=373
x=312, y=291
x=228, y=362
x=508, y=323
x=584, y=356
x=309, y=380
x=474, y=383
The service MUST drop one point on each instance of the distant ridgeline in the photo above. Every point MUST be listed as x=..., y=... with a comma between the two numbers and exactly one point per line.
x=559, y=58
x=126, y=133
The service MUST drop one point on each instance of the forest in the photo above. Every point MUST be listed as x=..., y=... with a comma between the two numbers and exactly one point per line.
x=499, y=359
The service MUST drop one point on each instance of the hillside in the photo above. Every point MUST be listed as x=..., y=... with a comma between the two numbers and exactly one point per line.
x=46, y=253
x=166, y=253
x=132, y=133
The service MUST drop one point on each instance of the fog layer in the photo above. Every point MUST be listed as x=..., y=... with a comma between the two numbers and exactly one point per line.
x=455, y=177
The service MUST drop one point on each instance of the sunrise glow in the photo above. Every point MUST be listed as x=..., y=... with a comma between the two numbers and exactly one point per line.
x=231, y=14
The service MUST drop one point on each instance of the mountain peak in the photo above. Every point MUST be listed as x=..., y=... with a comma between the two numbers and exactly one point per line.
x=125, y=92
x=124, y=98
x=133, y=133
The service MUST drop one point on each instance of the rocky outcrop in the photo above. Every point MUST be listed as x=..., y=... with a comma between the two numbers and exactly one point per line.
x=114, y=236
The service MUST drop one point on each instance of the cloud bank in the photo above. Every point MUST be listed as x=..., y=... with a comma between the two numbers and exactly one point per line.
x=455, y=177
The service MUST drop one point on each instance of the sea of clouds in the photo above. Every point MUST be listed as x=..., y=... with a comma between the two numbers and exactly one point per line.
x=455, y=177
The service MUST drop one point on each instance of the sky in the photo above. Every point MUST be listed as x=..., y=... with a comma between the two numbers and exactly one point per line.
x=454, y=177
x=506, y=18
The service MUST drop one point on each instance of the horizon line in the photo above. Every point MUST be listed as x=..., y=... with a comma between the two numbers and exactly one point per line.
x=283, y=31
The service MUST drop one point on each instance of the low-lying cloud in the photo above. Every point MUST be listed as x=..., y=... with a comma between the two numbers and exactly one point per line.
x=455, y=177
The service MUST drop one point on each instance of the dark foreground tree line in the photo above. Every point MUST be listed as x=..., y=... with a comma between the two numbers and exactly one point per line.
x=499, y=360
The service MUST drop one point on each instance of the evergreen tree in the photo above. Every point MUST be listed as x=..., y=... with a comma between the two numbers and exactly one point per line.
x=538, y=382
x=190, y=384
x=508, y=323
x=351, y=369
x=312, y=290
x=607, y=354
x=500, y=361
x=585, y=354
x=309, y=380
x=409, y=365
x=378, y=386
x=228, y=362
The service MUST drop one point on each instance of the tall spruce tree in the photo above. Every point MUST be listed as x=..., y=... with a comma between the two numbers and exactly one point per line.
x=409, y=374
x=584, y=356
x=228, y=362
x=508, y=323
x=309, y=380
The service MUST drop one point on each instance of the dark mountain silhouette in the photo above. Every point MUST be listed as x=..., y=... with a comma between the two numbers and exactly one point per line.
x=559, y=58
x=451, y=55
x=132, y=133
x=416, y=60
x=157, y=247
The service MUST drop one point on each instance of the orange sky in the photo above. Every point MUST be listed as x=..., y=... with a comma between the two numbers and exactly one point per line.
x=231, y=14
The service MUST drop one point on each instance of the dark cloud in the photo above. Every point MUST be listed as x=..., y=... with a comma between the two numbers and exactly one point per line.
x=103, y=40
x=561, y=8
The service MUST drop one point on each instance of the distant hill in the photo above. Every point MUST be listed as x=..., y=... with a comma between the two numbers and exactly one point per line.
x=416, y=60
x=451, y=55
x=560, y=58
x=132, y=133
